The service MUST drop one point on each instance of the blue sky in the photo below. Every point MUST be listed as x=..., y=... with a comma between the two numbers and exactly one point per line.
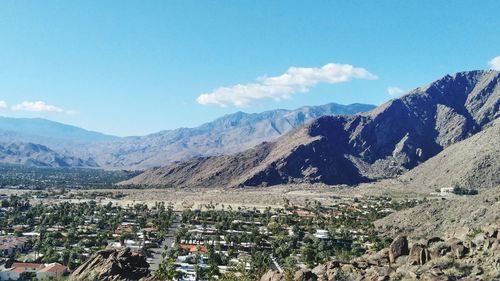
x=136, y=67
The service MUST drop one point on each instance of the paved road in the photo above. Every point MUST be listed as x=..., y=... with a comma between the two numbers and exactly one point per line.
x=157, y=257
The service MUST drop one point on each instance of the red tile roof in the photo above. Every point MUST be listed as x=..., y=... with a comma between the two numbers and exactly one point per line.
x=194, y=248
x=34, y=266
x=18, y=270
x=54, y=267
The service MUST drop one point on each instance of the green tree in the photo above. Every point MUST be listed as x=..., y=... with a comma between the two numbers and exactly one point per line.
x=289, y=268
x=167, y=270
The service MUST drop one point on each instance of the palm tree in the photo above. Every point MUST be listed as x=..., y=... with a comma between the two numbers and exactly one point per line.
x=167, y=270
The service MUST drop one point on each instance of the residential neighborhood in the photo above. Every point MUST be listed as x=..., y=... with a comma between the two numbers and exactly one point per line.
x=217, y=241
x=45, y=240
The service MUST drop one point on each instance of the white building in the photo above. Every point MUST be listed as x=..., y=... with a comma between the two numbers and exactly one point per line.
x=322, y=234
x=447, y=191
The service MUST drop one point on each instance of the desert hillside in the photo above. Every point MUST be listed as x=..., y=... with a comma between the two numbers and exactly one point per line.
x=385, y=142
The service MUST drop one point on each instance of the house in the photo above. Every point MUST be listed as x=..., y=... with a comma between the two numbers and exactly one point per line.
x=303, y=213
x=11, y=244
x=51, y=271
x=40, y=270
x=194, y=248
x=15, y=271
x=447, y=191
x=10, y=274
x=124, y=228
x=27, y=267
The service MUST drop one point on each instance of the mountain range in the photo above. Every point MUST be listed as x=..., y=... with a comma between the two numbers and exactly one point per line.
x=384, y=142
x=228, y=134
x=46, y=131
x=38, y=155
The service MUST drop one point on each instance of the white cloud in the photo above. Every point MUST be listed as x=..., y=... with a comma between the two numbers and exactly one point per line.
x=3, y=104
x=394, y=91
x=495, y=63
x=37, y=106
x=295, y=80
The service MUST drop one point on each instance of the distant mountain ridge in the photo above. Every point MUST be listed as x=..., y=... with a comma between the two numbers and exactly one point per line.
x=385, y=142
x=23, y=128
x=37, y=155
x=228, y=134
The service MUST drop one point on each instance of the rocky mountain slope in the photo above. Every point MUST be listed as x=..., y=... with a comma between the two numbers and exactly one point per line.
x=229, y=134
x=39, y=156
x=475, y=258
x=387, y=141
x=454, y=217
x=472, y=163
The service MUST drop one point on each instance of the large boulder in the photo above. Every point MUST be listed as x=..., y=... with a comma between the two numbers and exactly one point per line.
x=491, y=231
x=321, y=272
x=113, y=265
x=457, y=247
x=332, y=270
x=419, y=255
x=272, y=275
x=305, y=275
x=479, y=240
x=399, y=247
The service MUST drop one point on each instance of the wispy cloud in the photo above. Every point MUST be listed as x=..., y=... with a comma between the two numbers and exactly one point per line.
x=394, y=91
x=495, y=63
x=294, y=80
x=37, y=106
x=3, y=104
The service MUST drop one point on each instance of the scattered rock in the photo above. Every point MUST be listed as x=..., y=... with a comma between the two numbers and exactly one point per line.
x=448, y=260
x=385, y=272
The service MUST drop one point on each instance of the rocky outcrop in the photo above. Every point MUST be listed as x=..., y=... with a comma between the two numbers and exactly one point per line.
x=272, y=276
x=398, y=247
x=113, y=265
x=419, y=255
x=475, y=259
x=305, y=275
x=385, y=142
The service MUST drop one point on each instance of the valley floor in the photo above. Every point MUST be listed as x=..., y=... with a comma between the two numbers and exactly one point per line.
x=259, y=198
